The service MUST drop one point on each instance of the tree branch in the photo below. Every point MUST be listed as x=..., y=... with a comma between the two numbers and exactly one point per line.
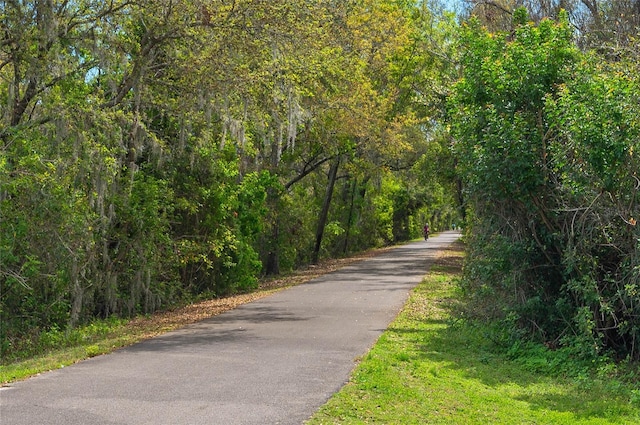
x=308, y=168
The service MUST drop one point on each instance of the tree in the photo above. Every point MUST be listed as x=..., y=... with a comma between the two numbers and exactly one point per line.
x=610, y=26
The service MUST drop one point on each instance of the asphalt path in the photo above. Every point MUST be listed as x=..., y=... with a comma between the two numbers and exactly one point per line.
x=272, y=361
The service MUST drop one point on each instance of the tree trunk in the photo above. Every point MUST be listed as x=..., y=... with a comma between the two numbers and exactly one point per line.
x=76, y=295
x=272, y=242
x=272, y=266
x=322, y=220
x=354, y=188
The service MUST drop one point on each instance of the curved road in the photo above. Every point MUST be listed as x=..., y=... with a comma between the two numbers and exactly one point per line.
x=273, y=361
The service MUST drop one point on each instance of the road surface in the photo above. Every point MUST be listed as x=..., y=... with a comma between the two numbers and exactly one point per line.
x=272, y=361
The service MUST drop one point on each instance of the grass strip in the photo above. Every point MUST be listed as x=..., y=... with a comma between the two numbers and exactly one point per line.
x=428, y=368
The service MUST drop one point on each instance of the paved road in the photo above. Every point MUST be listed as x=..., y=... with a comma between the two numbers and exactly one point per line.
x=273, y=361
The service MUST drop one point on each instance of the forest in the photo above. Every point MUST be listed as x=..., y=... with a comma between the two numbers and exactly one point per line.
x=154, y=152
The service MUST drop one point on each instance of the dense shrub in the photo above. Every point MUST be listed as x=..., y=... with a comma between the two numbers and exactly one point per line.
x=547, y=139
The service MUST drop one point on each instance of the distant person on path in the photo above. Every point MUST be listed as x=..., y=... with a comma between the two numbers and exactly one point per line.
x=425, y=231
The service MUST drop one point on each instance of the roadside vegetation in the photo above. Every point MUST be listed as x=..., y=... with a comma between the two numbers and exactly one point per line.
x=547, y=138
x=433, y=367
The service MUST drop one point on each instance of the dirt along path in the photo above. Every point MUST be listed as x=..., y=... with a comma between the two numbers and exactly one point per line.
x=271, y=361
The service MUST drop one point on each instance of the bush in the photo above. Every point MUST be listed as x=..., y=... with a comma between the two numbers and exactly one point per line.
x=547, y=140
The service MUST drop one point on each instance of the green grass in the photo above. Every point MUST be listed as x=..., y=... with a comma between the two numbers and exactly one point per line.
x=429, y=369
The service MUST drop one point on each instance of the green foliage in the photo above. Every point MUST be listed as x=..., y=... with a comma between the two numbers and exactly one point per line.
x=153, y=154
x=546, y=138
x=225, y=219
